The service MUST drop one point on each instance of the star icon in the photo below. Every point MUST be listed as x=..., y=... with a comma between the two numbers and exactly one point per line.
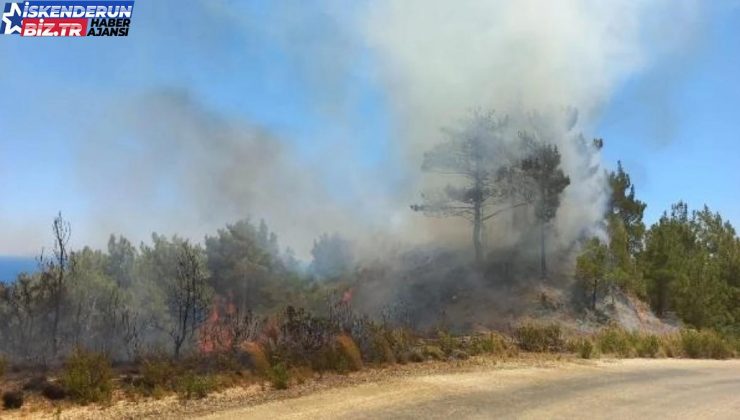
x=12, y=19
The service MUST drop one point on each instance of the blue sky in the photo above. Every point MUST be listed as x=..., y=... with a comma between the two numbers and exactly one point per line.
x=676, y=125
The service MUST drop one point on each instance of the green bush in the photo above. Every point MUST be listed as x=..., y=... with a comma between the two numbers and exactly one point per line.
x=401, y=342
x=433, y=352
x=492, y=343
x=540, y=337
x=87, y=377
x=192, y=386
x=704, y=344
x=447, y=343
x=616, y=341
x=12, y=400
x=647, y=345
x=671, y=345
x=582, y=346
x=279, y=376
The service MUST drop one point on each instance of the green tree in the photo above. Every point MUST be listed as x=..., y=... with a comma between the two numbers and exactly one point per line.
x=626, y=208
x=542, y=167
x=332, y=256
x=691, y=266
x=474, y=155
x=240, y=265
x=121, y=261
x=591, y=268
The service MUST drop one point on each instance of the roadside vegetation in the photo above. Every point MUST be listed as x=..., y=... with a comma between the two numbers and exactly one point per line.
x=175, y=317
x=295, y=347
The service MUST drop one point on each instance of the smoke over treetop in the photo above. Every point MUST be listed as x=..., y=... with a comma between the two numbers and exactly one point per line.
x=170, y=165
x=163, y=162
x=440, y=59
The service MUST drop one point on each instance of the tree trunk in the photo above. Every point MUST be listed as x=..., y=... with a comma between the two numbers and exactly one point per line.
x=543, y=261
x=477, y=228
x=593, y=296
x=661, y=298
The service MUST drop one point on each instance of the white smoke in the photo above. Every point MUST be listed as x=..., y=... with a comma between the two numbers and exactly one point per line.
x=173, y=165
x=440, y=59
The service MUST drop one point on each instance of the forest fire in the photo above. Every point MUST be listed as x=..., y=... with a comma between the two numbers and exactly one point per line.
x=215, y=334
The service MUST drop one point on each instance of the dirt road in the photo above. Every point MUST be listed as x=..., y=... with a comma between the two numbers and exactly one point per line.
x=611, y=390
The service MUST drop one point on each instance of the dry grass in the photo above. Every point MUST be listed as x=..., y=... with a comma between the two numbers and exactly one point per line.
x=536, y=337
x=258, y=357
x=350, y=352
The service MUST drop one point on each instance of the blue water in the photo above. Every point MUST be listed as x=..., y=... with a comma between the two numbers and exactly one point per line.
x=10, y=267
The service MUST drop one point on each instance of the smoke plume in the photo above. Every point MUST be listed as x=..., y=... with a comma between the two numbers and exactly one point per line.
x=163, y=160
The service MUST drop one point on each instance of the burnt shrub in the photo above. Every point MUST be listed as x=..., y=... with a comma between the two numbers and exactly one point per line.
x=349, y=351
x=35, y=383
x=158, y=375
x=87, y=377
x=13, y=400
x=257, y=357
x=53, y=391
x=50, y=390
x=300, y=339
x=539, y=337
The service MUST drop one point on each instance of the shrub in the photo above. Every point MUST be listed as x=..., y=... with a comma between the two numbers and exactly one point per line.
x=539, y=338
x=35, y=383
x=258, y=358
x=279, y=376
x=647, y=345
x=193, y=386
x=87, y=377
x=382, y=349
x=615, y=341
x=401, y=342
x=53, y=391
x=157, y=375
x=433, y=352
x=301, y=374
x=671, y=345
x=413, y=356
x=583, y=347
x=459, y=355
x=13, y=400
x=350, y=352
x=488, y=343
x=3, y=365
x=301, y=339
x=704, y=344
x=447, y=343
